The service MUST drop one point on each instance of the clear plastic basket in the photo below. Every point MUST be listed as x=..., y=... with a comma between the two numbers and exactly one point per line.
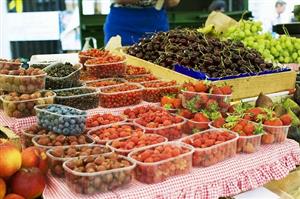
x=204, y=157
x=82, y=101
x=68, y=81
x=200, y=100
x=101, y=83
x=25, y=108
x=106, y=70
x=59, y=123
x=22, y=84
x=93, y=133
x=191, y=126
x=171, y=132
x=155, y=94
x=98, y=182
x=159, y=171
x=126, y=151
x=9, y=64
x=275, y=134
x=121, y=98
x=56, y=163
x=66, y=142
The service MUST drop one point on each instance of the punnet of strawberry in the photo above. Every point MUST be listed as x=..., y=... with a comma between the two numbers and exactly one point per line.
x=276, y=128
x=140, y=111
x=155, y=164
x=250, y=133
x=164, y=123
x=123, y=146
x=104, y=134
x=212, y=146
x=198, y=121
x=155, y=90
x=171, y=102
x=205, y=95
x=103, y=119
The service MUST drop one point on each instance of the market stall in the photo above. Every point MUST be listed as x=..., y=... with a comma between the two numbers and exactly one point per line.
x=166, y=118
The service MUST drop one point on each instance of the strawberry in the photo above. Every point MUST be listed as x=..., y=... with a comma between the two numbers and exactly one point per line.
x=255, y=111
x=273, y=122
x=190, y=88
x=176, y=103
x=200, y=87
x=249, y=129
x=286, y=119
x=226, y=90
x=165, y=100
x=218, y=123
x=267, y=138
x=212, y=104
x=186, y=114
x=200, y=117
x=237, y=128
x=216, y=90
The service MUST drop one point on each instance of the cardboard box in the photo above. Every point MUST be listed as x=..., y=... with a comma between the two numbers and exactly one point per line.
x=7, y=134
x=245, y=87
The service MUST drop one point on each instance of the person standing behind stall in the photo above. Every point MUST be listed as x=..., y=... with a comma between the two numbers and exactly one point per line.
x=217, y=5
x=132, y=19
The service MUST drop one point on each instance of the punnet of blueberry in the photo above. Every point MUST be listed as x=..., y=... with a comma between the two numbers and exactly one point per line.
x=61, y=119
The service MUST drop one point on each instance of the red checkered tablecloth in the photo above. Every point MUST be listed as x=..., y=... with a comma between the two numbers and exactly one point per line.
x=230, y=177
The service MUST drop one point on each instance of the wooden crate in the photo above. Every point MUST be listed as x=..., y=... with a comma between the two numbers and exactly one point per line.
x=242, y=87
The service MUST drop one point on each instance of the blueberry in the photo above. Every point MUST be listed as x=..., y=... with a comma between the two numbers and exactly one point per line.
x=66, y=131
x=72, y=121
x=67, y=124
x=60, y=126
x=55, y=129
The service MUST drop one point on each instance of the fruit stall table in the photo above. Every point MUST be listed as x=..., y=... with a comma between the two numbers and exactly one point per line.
x=230, y=177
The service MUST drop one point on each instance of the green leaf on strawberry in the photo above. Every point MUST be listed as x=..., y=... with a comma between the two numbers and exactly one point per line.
x=259, y=129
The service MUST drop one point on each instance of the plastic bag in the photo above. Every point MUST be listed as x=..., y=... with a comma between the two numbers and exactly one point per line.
x=220, y=21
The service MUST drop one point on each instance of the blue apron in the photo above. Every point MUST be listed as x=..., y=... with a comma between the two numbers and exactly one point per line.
x=134, y=23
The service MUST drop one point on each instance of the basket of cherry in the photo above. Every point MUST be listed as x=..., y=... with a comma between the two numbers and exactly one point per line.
x=205, y=95
x=164, y=123
x=107, y=66
x=249, y=133
x=155, y=164
x=212, y=146
x=121, y=95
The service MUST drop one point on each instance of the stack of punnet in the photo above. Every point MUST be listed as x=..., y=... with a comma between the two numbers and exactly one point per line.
x=23, y=89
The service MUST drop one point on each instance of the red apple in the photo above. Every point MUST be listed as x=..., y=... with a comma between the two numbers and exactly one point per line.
x=2, y=188
x=28, y=182
x=35, y=157
x=10, y=160
x=13, y=196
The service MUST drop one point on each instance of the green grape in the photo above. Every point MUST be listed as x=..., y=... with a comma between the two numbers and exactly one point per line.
x=287, y=60
x=281, y=59
x=279, y=48
x=285, y=53
x=254, y=29
x=295, y=56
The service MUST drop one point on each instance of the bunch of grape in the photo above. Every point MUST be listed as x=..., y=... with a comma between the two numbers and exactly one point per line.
x=284, y=49
x=195, y=50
